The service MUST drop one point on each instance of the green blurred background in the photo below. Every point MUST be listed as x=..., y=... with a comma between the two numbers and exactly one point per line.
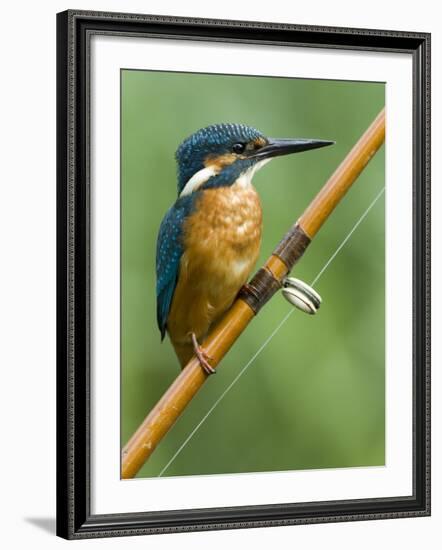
x=314, y=397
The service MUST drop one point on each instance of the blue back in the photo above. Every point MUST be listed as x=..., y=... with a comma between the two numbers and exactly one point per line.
x=169, y=252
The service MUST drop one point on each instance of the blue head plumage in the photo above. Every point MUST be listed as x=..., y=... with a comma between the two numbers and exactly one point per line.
x=215, y=140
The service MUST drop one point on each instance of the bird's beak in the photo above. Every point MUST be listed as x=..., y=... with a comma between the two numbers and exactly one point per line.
x=277, y=147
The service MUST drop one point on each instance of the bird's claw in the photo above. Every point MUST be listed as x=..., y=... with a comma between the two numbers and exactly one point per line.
x=202, y=356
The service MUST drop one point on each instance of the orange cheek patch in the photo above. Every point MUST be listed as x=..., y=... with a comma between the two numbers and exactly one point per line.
x=218, y=163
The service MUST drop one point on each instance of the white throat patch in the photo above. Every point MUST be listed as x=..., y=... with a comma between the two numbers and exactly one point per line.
x=245, y=178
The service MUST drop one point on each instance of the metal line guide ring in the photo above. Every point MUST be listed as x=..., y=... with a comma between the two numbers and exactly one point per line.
x=301, y=295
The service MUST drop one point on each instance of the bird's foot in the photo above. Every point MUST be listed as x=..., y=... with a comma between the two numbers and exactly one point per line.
x=202, y=356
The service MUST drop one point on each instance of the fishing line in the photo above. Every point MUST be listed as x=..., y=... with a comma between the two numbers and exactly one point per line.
x=270, y=337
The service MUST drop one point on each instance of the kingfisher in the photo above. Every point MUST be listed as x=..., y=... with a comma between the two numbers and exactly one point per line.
x=209, y=240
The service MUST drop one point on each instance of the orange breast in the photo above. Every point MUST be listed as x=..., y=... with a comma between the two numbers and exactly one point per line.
x=221, y=242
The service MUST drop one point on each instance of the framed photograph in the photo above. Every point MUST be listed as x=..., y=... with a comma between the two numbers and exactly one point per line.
x=183, y=252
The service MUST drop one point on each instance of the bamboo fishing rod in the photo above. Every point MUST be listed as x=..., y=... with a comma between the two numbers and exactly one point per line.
x=251, y=298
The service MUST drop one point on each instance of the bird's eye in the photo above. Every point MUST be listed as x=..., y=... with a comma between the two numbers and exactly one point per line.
x=238, y=148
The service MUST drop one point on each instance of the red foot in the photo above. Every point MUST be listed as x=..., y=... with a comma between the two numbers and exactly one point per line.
x=202, y=356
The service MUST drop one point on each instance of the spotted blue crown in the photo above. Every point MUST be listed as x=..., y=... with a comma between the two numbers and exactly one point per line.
x=216, y=139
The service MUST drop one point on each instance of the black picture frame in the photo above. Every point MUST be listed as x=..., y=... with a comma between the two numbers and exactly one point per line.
x=74, y=518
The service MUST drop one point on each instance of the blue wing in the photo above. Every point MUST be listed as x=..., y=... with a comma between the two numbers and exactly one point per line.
x=169, y=252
